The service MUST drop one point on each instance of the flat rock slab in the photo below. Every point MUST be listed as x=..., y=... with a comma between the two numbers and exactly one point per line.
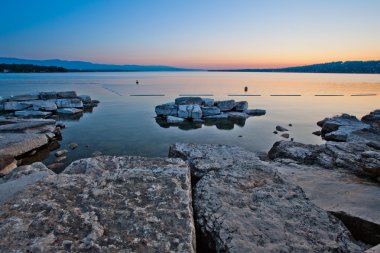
x=104, y=204
x=28, y=125
x=242, y=204
x=339, y=192
x=15, y=144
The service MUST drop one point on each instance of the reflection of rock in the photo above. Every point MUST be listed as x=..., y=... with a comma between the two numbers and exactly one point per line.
x=255, y=112
x=238, y=115
x=183, y=125
x=174, y=120
x=242, y=204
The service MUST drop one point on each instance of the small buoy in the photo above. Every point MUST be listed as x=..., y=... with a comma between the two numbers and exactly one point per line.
x=137, y=81
x=245, y=89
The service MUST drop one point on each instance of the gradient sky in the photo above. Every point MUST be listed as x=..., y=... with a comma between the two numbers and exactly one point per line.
x=192, y=33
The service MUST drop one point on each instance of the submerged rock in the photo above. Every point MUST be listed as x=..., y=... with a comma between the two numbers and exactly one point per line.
x=255, y=112
x=104, y=204
x=281, y=129
x=242, y=204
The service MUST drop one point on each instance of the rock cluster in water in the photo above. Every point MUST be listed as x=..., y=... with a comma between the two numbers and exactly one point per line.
x=215, y=198
x=192, y=112
x=28, y=126
x=45, y=104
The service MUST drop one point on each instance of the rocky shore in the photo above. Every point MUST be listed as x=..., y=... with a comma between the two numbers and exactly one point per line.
x=205, y=198
x=30, y=124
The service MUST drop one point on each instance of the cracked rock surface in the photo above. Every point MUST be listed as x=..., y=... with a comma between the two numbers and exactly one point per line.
x=104, y=204
x=242, y=204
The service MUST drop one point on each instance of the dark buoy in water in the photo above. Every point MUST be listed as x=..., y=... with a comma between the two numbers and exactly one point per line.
x=245, y=89
x=137, y=82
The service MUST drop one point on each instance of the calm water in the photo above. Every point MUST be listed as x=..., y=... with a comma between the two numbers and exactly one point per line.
x=125, y=125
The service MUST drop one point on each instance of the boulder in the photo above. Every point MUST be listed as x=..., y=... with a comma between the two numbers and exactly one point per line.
x=48, y=95
x=69, y=103
x=104, y=204
x=16, y=106
x=7, y=164
x=16, y=144
x=192, y=111
x=208, y=102
x=338, y=128
x=174, y=120
x=28, y=126
x=67, y=94
x=69, y=111
x=168, y=109
x=85, y=99
x=226, y=105
x=32, y=114
x=255, y=112
x=25, y=97
x=281, y=129
x=372, y=118
x=241, y=106
x=242, y=204
x=208, y=111
x=16, y=181
x=285, y=135
x=188, y=101
x=43, y=105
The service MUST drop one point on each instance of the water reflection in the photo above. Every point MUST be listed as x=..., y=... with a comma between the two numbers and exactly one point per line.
x=221, y=124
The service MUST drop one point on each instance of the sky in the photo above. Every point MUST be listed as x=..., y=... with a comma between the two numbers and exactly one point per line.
x=192, y=33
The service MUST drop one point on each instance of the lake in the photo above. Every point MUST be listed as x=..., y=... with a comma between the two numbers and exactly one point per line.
x=125, y=125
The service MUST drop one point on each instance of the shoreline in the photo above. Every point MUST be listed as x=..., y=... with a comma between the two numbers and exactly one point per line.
x=338, y=181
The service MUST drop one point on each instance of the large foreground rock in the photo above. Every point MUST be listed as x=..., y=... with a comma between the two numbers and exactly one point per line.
x=243, y=205
x=104, y=204
x=16, y=144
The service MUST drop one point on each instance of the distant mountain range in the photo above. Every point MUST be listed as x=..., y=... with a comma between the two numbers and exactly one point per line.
x=89, y=66
x=359, y=67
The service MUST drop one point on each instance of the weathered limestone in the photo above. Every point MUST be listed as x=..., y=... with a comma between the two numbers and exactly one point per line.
x=16, y=144
x=226, y=105
x=191, y=111
x=67, y=94
x=339, y=127
x=69, y=111
x=7, y=164
x=69, y=103
x=241, y=106
x=15, y=106
x=104, y=204
x=188, y=101
x=208, y=111
x=243, y=205
x=197, y=110
x=31, y=114
x=373, y=118
x=168, y=109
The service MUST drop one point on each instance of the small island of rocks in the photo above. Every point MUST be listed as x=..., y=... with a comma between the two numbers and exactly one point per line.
x=192, y=112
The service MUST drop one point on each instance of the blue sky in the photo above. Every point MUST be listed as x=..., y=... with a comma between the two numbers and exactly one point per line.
x=197, y=33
